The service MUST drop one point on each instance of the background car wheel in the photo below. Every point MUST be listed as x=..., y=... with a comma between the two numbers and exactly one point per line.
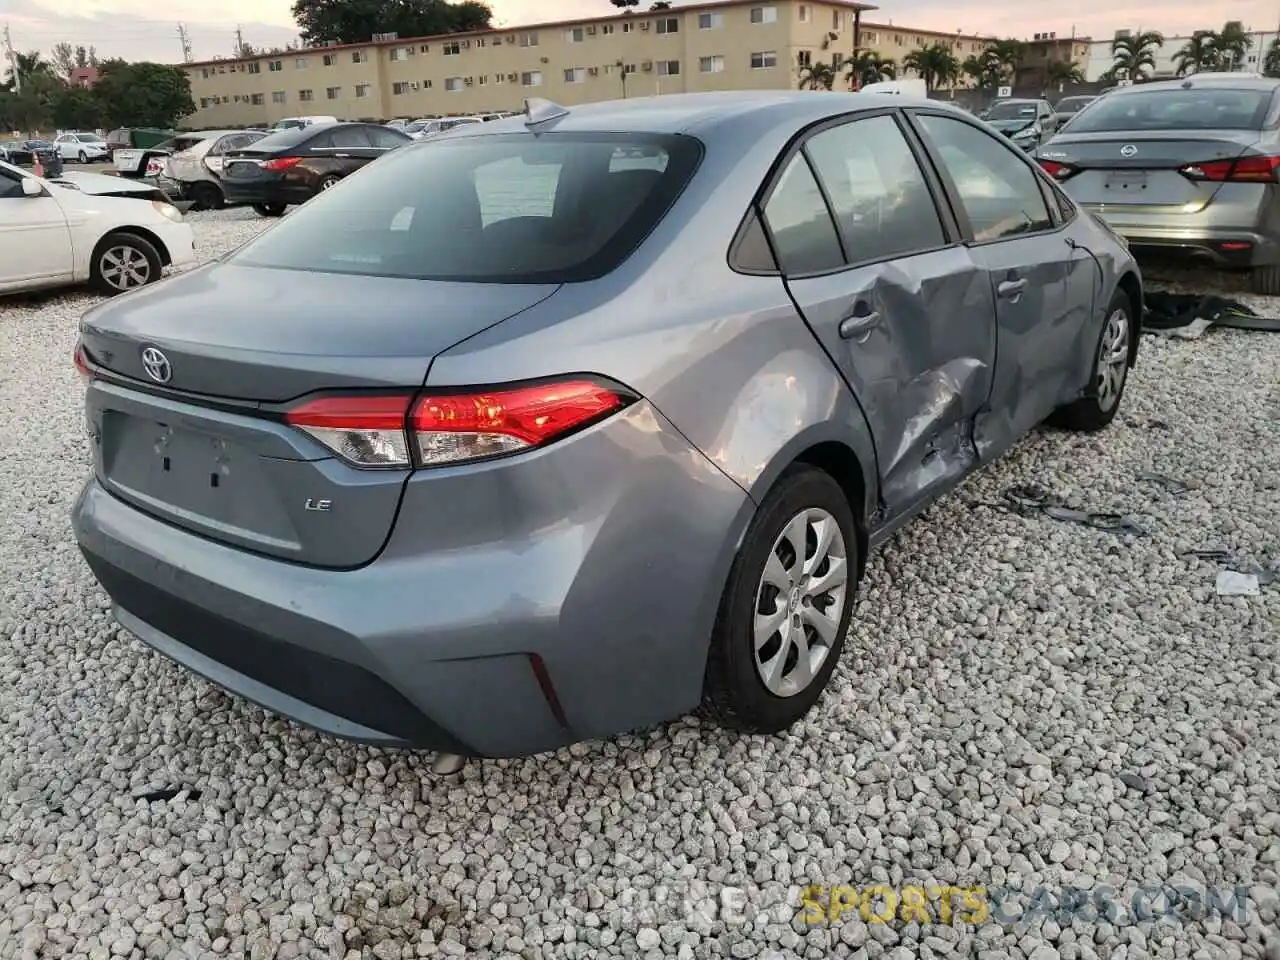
x=786, y=608
x=1265, y=280
x=124, y=261
x=327, y=183
x=269, y=209
x=83, y=157
x=1098, y=406
x=206, y=196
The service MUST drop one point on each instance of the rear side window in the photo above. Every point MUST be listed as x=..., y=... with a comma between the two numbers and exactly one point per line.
x=386, y=139
x=510, y=208
x=1194, y=108
x=804, y=235
x=282, y=140
x=878, y=193
x=341, y=137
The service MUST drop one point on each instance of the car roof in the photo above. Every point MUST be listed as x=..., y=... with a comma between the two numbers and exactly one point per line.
x=700, y=114
x=1240, y=81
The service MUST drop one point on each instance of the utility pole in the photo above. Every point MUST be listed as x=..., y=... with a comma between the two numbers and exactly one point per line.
x=186, y=43
x=13, y=60
x=239, y=40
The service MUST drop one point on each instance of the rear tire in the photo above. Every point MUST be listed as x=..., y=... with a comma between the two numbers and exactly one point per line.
x=780, y=606
x=1109, y=374
x=1265, y=281
x=123, y=262
x=269, y=209
x=205, y=196
x=327, y=183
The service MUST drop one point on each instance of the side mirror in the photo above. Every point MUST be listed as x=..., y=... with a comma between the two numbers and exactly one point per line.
x=30, y=188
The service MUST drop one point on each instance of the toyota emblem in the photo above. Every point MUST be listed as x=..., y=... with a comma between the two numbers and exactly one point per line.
x=157, y=365
x=1128, y=150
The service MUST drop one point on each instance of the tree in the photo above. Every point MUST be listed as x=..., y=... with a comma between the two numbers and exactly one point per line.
x=661, y=5
x=63, y=59
x=867, y=66
x=356, y=21
x=75, y=108
x=816, y=76
x=1135, y=54
x=1271, y=62
x=143, y=94
x=1200, y=52
x=1064, y=71
x=1232, y=43
x=86, y=58
x=624, y=5
x=25, y=67
x=936, y=65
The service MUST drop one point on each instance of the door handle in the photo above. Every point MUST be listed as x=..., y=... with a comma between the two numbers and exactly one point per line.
x=1011, y=289
x=859, y=325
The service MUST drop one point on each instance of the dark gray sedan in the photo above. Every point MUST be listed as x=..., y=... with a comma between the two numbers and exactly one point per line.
x=567, y=424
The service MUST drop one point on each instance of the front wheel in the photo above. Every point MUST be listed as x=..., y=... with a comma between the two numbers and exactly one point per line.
x=1098, y=407
x=83, y=157
x=123, y=262
x=269, y=209
x=786, y=608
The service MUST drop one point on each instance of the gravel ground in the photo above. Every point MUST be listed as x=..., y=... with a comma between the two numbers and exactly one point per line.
x=1024, y=705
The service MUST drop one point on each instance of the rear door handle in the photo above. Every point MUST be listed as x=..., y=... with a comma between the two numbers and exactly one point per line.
x=859, y=325
x=1011, y=289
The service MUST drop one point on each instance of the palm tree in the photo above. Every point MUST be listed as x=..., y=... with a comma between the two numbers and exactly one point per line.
x=1008, y=54
x=816, y=76
x=1200, y=52
x=1231, y=44
x=936, y=65
x=1135, y=54
x=867, y=66
x=1062, y=72
x=24, y=66
x=1271, y=62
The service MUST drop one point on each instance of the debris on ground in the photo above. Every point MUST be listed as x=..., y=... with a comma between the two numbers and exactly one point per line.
x=1176, y=487
x=1028, y=499
x=1188, y=315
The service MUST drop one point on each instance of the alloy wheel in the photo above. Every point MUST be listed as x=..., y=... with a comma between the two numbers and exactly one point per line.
x=799, y=601
x=124, y=268
x=1113, y=359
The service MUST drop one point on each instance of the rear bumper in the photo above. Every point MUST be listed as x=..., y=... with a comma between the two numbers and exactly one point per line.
x=1224, y=246
x=264, y=191
x=570, y=595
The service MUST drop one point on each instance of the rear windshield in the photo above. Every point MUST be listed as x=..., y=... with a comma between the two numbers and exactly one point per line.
x=507, y=208
x=1196, y=108
x=284, y=139
x=1012, y=110
x=1072, y=104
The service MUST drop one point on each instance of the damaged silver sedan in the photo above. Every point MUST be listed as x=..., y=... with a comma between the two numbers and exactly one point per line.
x=569, y=423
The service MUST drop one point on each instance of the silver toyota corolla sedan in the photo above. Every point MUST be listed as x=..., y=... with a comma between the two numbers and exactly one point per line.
x=1185, y=167
x=567, y=424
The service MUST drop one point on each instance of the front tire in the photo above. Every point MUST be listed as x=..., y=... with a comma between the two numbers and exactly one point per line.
x=786, y=607
x=83, y=157
x=269, y=209
x=124, y=262
x=1110, y=374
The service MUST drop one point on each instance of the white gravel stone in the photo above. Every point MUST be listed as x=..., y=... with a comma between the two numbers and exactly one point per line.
x=1021, y=703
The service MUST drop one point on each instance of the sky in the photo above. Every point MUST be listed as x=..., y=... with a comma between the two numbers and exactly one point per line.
x=130, y=28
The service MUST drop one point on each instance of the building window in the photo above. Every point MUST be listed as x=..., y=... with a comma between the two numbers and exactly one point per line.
x=607, y=29
x=360, y=56
x=668, y=25
x=628, y=68
x=305, y=96
x=333, y=92
x=399, y=54
x=484, y=78
x=804, y=58
x=576, y=35
x=897, y=39
x=258, y=99
x=329, y=59
x=254, y=68
x=205, y=73
x=531, y=78
x=277, y=96
x=668, y=68
x=837, y=19
x=711, y=65
x=400, y=88
x=453, y=84
x=426, y=84
x=575, y=75
x=710, y=21
x=763, y=61
x=804, y=13
x=300, y=64
x=362, y=90
x=275, y=66
x=870, y=38
x=764, y=14
x=452, y=49
x=628, y=26
x=528, y=39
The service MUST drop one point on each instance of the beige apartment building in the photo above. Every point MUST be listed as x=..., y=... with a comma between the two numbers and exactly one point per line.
x=726, y=45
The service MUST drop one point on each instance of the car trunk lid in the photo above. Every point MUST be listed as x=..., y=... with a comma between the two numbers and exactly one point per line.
x=1126, y=169
x=207, y=449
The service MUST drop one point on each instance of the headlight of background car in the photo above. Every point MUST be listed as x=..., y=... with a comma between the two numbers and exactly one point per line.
x=1027, y=133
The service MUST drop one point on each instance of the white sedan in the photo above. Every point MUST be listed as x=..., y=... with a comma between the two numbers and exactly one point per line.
x=82, y=147
x=54, y=233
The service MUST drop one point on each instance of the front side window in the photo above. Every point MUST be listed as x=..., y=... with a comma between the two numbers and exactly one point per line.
x=799, y=221
x=999, y=191
x=558, y=208
x=878, y=192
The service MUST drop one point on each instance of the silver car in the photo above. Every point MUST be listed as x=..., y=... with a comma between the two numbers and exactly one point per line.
x=567, y=424
x=1183, y=167
x=195, y=173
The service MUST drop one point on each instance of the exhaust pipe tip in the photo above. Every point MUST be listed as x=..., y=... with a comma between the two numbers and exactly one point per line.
x=448, y=764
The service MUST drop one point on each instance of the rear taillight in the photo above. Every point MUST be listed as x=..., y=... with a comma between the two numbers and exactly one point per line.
x=280, y=163
x=451, y=428
x=82, y=365
x=1059, y=171
x=1240, y=170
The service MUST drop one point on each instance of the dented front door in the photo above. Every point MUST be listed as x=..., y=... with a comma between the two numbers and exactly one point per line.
x=915, y=339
